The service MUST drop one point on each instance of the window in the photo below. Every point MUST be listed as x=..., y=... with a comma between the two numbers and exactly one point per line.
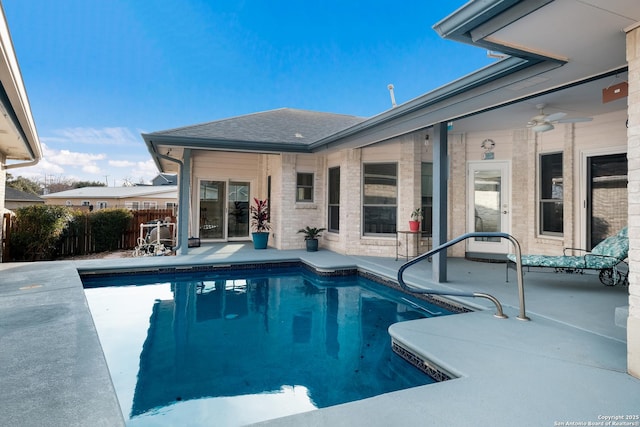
x=304, y=187
x=334, y=200
x=85, y=203
x=426, y=193
x=170, y=205
x=551, y=197
x=380, y=195
x=102, y=205
x=68, y=203
x=134, y=206
x=149, y=205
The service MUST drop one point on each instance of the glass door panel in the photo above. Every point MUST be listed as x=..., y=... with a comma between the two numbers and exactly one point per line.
x=607, y=197
x=212, y=206
x=487, y=185
x=488, y=201
x=238, y=210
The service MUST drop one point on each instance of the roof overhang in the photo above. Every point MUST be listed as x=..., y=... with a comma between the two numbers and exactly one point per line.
x=562, y=53
x=18, y=135
x=162, y=146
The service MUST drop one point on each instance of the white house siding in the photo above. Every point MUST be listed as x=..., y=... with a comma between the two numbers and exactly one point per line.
x=633, y=321
x=272, y=166
x=331, y=240
x=405, y=152
x=222, y=166
x=520, y=147
x=606, y=134
x=292, y=215
x=554, y=141
x=3, y=183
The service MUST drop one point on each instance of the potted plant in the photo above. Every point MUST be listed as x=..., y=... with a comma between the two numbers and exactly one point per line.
x=260, y=223
x=311, y=235
x=416, y=217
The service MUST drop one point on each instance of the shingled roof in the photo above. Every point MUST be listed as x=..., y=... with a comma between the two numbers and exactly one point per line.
x=284, y=125
x=13, y=195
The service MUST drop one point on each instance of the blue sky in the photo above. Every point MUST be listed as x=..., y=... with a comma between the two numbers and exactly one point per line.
x=100, y=72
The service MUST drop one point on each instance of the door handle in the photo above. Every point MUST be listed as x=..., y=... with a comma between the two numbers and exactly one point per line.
x=504, y=212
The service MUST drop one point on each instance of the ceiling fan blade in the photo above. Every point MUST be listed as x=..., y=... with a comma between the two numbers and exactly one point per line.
x=575, y=120
x=555, y=116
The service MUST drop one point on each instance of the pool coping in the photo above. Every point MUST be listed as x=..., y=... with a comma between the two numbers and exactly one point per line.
x=500, y=382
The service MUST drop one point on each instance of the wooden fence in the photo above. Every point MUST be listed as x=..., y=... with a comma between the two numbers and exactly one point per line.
x=80, y=240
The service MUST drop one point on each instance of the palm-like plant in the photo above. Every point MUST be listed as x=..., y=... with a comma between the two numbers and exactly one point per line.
x=260, y=215
x=311, y=232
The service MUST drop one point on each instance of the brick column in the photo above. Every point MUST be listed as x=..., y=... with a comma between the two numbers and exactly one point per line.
x=633, y=155
x=350, y=200
x=3, y=183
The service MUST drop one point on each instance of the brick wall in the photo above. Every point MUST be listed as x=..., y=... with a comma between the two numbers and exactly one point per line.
x=633, y=155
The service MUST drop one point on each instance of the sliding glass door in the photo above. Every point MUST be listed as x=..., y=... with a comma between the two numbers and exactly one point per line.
x=224, y=210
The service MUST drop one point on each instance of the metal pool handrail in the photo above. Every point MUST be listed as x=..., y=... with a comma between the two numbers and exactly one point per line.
x=499, y=313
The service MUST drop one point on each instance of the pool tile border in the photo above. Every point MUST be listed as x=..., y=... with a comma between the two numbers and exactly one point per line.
x=324, y=272
x=424, y=365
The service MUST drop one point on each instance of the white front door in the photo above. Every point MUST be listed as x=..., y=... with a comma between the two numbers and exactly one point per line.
x=489, y=197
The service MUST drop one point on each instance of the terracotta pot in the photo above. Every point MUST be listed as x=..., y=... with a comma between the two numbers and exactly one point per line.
x=414, y=225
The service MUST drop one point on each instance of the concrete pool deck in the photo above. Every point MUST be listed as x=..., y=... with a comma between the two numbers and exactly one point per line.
x=567, y=365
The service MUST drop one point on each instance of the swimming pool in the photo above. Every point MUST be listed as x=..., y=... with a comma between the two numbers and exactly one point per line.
x=235, y=347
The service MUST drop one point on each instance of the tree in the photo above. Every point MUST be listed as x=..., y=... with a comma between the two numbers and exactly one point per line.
x=24, y=184
x=82, y=184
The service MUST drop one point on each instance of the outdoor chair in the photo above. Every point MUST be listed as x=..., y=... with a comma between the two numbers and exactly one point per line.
x=607, y=257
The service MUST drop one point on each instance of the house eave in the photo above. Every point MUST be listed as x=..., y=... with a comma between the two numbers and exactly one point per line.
x=15, y=101
x=155, y=141
x=435, y=99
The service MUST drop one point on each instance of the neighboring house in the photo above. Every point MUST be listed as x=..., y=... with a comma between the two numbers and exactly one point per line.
x=19, y=143
x=14, y=199
x=134, y=198
x=165, y=179
x=508, y=148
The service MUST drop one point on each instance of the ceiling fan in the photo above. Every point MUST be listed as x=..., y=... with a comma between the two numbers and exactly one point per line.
x=544, y=122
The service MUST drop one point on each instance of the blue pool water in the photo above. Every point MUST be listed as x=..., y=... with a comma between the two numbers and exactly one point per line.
x=233, y=348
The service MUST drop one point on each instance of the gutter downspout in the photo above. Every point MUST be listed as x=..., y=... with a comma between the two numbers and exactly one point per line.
x=22, y=165
x=180, y=195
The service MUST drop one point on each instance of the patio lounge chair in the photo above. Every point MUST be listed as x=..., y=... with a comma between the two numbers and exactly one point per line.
x=607, y=257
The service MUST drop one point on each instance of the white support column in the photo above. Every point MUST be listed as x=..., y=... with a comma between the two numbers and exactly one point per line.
x=633, y=156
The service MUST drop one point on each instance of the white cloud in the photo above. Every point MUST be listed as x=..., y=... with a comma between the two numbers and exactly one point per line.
x=70, y=158
x=92, y=136
x=108, y=161
x=121, y=163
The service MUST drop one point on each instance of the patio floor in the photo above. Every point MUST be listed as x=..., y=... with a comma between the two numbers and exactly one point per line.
x=567, y=365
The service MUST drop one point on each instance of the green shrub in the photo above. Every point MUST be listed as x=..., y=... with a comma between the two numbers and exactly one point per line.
x=108, y=226
x=37, y=230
